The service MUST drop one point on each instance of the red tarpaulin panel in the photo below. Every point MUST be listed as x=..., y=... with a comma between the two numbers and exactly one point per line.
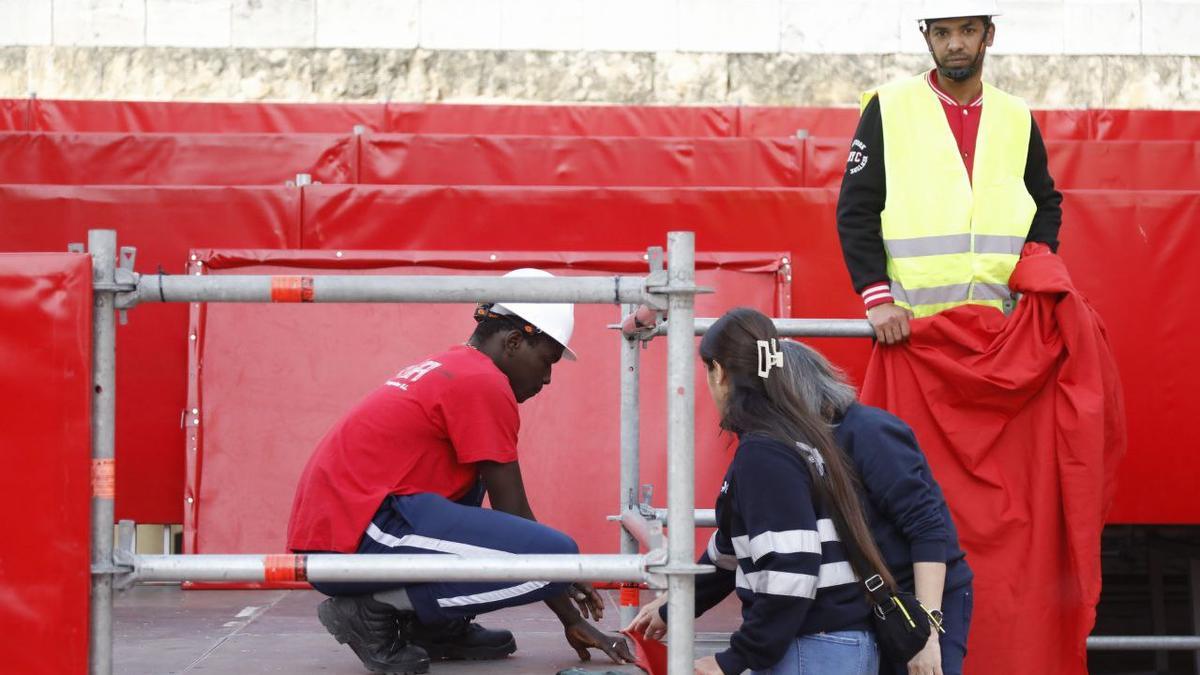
x=14, y=114
x=500, y=219
x=1125, y=165
x=542, y=120
x=787, y=121
x=1089, y=165
x=1126, y=251
x=561, y=120
x=45, y=445
x=189, y=117
x=1065, y=125
x=1022, y=421
x=1145, y=125
x=173, y=159
x=557, y=160
x=163, y=223
x=270, y=380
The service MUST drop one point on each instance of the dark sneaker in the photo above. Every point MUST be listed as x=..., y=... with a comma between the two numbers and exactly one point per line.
x=458, y=640
x=370, y=628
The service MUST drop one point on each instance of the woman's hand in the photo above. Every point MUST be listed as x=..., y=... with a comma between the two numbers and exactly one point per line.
x=928, y=661
x=648, y=622
x=708, y=666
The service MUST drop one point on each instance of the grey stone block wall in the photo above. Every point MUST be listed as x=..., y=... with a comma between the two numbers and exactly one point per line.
x=424, y=75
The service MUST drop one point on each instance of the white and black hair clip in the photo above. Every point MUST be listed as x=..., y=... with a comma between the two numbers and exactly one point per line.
x=769, y=357
x=813, y=456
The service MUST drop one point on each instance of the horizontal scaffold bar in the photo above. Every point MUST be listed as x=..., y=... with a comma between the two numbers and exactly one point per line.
x=799, y=327
x=704, y=517
x=1143, y=642
x=1094, y=642
x=392, y=288
x=387, y=568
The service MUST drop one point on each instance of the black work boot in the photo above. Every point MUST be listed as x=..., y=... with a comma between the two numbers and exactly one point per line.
x=460, y=639
x=371, y=629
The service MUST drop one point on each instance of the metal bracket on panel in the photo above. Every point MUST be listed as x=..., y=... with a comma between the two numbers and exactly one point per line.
x=76, y=247
x=125, y=276
x=124, y=556
x=644, y=506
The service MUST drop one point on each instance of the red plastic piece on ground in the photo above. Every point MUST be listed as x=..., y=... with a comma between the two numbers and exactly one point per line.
x=1023, y=423
x=45, y=425
x=651, y=654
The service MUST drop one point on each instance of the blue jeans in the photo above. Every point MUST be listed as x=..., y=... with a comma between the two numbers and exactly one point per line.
x=847, y=652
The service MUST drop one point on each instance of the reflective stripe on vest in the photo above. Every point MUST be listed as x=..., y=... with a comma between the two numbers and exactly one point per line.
x=950, y=241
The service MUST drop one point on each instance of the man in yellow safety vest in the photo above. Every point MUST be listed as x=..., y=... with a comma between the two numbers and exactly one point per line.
x=946, y=182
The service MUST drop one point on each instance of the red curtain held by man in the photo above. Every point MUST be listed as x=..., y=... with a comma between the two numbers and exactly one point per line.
x=1023, y=422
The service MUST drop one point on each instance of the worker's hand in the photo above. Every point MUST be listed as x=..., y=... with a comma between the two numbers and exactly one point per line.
x=583, y=636
x=928, y=661
x=648, y=622
x=589, y=601
x=707, y=666
x=890, y=322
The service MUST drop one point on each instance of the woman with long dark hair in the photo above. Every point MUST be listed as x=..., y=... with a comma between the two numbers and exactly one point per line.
x=791, y=538
x=905, y=509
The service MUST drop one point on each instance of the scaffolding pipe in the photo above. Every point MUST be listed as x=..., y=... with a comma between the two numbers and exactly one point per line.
x=393, y=288
x=102, y=244
x=681, y=404
x=702, y=517
x=630, y=450
x=797, y=327
x=1143, y=642
x=388, y=568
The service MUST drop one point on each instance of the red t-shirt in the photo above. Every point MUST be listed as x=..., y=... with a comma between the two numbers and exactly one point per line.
x=421, y=431
x=963, y=120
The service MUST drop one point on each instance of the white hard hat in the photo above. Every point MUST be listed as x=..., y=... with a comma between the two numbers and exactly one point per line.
x=948, y=9
x=556, y=320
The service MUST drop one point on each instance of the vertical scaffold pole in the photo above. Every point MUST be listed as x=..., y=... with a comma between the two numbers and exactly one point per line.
x=102, y=244
x=630, y=449
x=681, y=408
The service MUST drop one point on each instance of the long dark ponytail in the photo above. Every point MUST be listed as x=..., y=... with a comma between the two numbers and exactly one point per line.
x=768, y=406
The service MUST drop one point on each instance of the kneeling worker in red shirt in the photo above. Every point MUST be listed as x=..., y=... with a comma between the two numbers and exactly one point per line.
x=405, y=471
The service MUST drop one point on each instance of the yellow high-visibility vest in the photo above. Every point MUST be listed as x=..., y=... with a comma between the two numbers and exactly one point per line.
x=952, y=241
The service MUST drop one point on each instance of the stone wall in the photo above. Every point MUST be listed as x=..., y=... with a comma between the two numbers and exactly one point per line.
x=1055, y=53
x=166, y=73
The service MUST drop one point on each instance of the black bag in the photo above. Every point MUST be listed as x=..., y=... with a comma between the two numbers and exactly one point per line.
x=902, y=625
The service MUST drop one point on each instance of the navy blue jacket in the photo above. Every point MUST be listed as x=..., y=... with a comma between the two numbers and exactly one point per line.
x=905, y=508
x=777, y=547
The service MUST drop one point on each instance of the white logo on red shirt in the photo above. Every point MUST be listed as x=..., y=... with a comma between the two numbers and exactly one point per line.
x=411, y=374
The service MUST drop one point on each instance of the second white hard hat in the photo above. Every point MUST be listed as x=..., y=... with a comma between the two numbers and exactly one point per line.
x=947, y=9
x=554, y=319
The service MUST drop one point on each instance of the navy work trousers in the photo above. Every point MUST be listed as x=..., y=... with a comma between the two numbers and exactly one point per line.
x=429, y=523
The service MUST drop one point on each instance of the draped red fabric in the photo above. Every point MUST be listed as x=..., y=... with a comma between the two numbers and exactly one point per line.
x=1023, y=423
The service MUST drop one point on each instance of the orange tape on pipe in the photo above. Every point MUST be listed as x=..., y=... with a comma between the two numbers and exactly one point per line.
x=291, y=289
x=104, y=478
x=285, y=568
